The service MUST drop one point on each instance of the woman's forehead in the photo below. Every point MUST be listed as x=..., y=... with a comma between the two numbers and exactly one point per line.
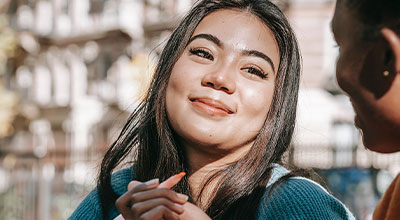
x=239, y=29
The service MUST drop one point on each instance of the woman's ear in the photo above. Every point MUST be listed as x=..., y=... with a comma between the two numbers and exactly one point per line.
x=394, y=41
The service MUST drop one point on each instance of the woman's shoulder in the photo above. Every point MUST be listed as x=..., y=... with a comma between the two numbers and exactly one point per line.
x=121, y=178
x=299, y=190
x=90, y=207
x=302, y=198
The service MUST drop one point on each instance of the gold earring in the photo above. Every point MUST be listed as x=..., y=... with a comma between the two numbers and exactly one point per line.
x=386, y=73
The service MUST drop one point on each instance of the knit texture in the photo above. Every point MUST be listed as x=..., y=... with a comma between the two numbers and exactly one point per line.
x=90, y=208
x=298, y=199
x=294, y=199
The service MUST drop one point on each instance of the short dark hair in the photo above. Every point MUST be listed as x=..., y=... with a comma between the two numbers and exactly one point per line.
x=374, y=15
x=159, y=156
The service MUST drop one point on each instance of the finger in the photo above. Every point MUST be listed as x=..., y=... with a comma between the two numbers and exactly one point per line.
x=158, y=193
x=139, y=186
x=191, y=211
x=123, y=203
x=119, y=217
x=132, y=184
x=172, y=181
x=142, y=207
x=160, y=213
x=135, y=186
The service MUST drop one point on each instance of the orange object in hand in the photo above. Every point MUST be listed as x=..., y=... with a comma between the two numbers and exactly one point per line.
x=167, y=184
x=172, y=181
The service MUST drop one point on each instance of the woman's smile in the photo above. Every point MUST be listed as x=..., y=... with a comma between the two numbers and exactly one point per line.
x=211, y=107
x=221, y=88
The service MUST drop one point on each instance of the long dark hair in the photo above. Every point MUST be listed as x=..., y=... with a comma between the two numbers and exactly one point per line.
x=158, y=155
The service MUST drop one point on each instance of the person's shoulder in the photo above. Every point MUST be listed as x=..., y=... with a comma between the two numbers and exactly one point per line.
x=388, y=206
x=397, y=179
x=301, y=198
x=90, y=207
x=121, y=178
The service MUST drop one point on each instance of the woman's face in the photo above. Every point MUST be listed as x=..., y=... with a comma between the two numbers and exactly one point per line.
x=359, y=72
x=221, y=88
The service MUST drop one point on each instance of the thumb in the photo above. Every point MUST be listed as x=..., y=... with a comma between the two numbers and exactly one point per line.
x=132, y=184
x=119, y=217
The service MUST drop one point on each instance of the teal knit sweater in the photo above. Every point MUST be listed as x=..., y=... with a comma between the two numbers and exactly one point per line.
x=296, y=199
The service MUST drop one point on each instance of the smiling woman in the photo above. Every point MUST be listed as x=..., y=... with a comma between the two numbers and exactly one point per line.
x=220, y=89
x=221, y=108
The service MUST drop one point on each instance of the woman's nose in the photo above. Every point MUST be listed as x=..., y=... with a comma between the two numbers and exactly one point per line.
x=220, y=79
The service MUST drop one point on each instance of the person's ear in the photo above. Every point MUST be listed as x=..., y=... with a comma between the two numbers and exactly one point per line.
x=394, y=42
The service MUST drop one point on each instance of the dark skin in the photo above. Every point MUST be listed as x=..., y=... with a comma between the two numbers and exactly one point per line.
x=149, y=201
x=152, y=200
x=369, y=72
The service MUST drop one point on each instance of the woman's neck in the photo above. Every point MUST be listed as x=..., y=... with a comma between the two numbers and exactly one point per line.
x=202, y=164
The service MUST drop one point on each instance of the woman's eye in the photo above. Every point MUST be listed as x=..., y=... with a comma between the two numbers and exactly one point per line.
x=256, y=71
x=201, y=53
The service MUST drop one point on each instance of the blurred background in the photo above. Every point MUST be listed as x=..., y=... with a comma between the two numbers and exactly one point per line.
x=71, y=71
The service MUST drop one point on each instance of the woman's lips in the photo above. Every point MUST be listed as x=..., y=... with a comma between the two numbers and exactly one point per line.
x=211, y=107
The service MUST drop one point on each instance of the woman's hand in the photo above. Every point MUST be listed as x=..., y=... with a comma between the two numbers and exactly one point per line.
x=192, y=212
x=152, y=200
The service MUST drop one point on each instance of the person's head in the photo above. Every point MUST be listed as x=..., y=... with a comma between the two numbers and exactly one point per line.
x=221, y=88
x=368, y=67
x=233, y=83
x=250, y=70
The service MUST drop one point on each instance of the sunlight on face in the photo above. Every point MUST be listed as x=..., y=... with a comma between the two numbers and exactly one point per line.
x=221, y=88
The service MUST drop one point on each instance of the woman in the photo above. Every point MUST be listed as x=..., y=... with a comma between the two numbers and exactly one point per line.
x=221, y=108
x=368, y=70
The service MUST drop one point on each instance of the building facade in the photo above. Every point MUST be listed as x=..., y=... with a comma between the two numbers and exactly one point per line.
x=74, y=70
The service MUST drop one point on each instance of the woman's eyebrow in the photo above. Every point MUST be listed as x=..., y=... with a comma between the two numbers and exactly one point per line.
x=209, y=37
x=260, y=55
x=218, y=42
